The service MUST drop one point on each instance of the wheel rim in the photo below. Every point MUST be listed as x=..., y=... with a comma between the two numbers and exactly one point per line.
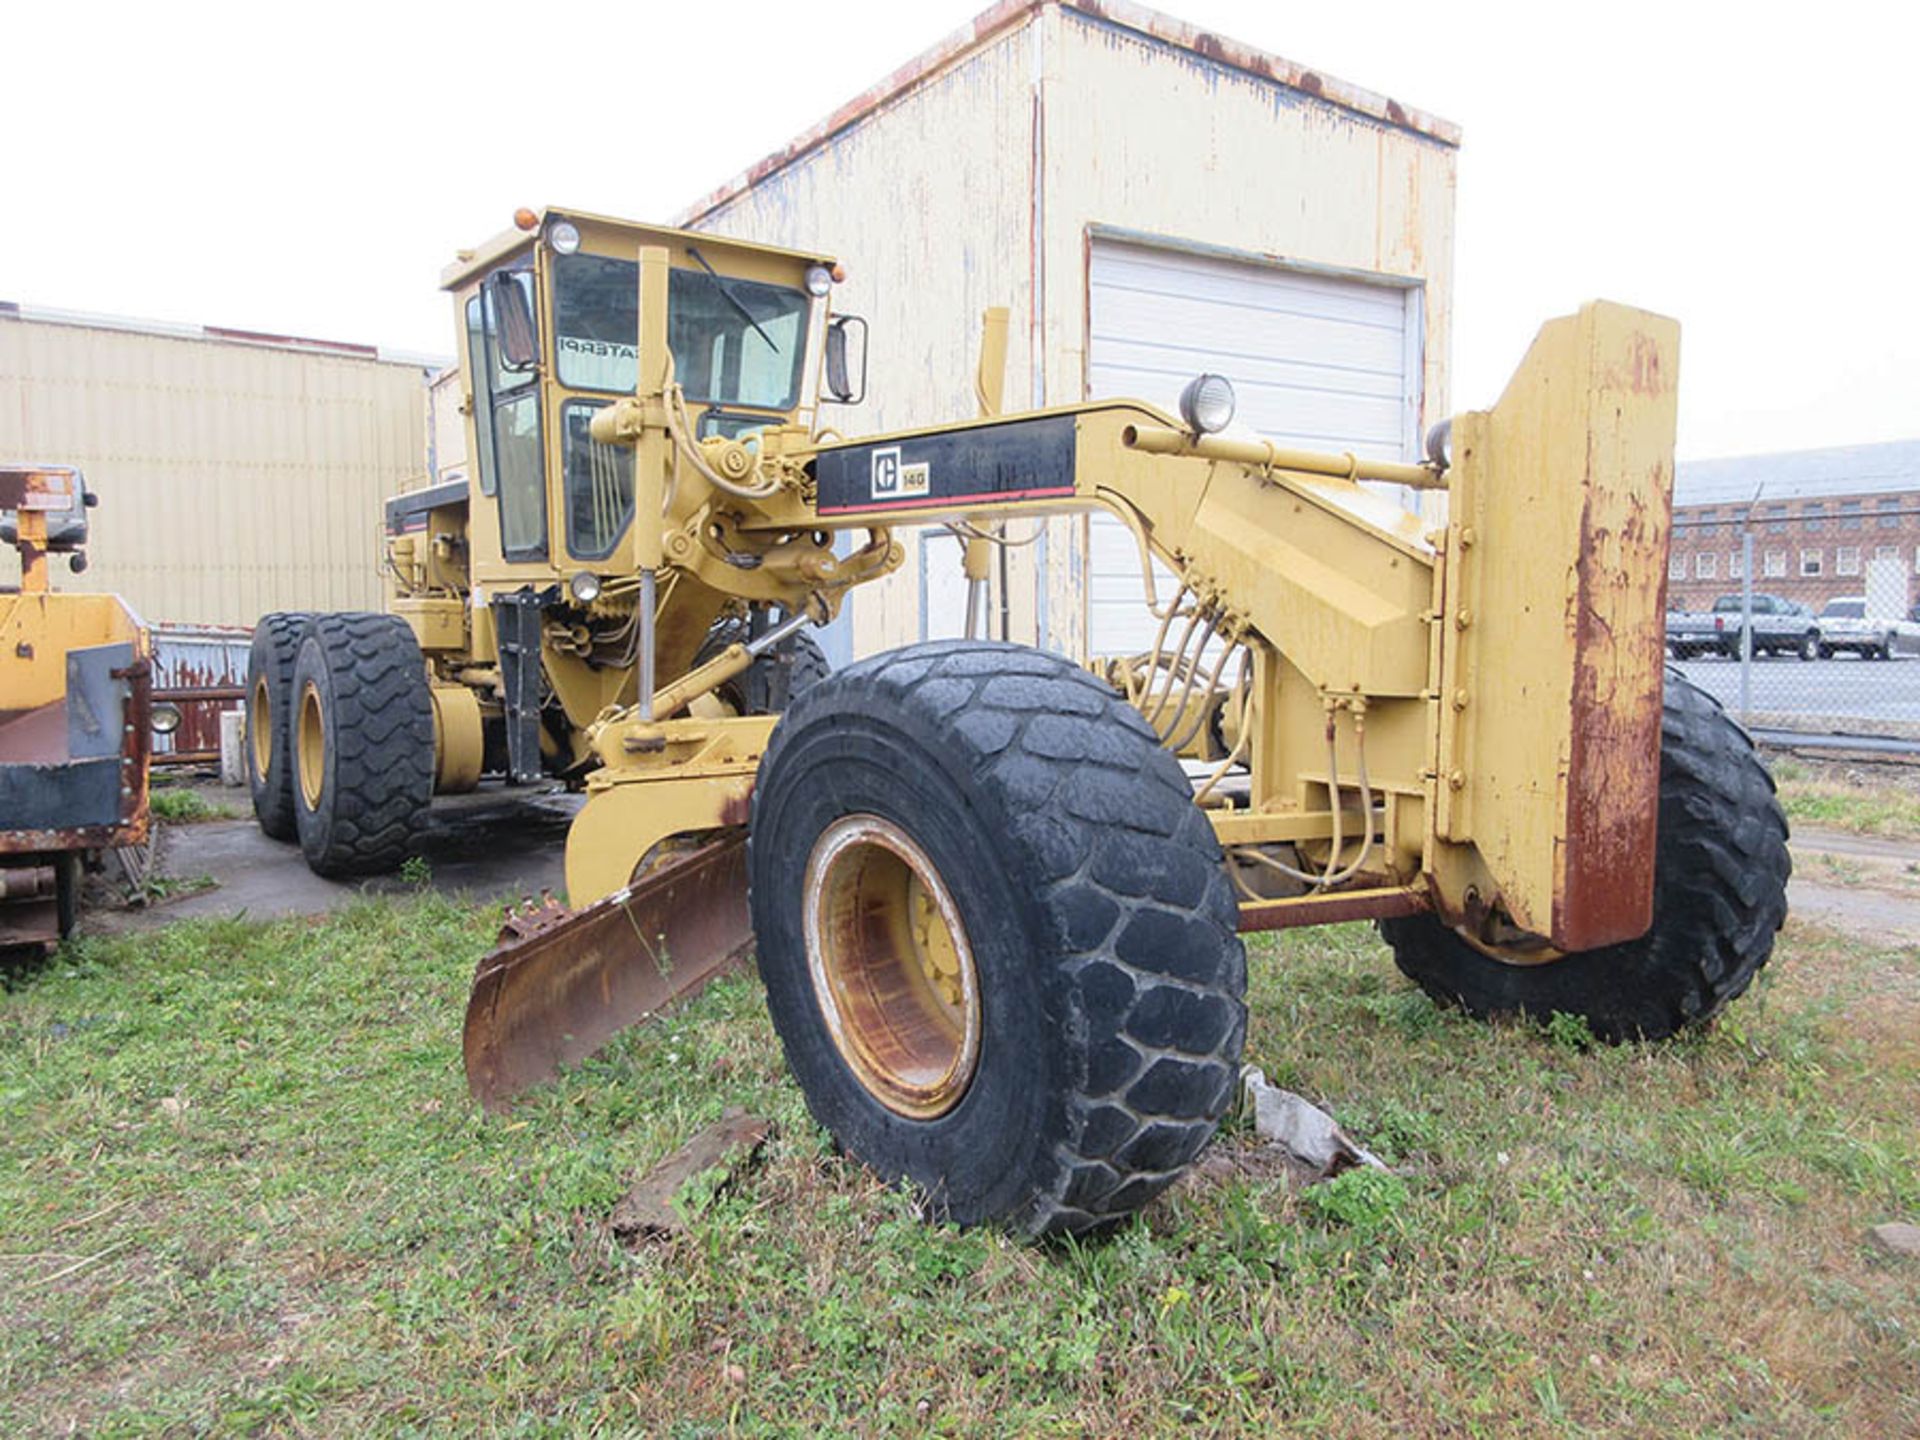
x=312, y=746
x=259, y=718
x=891, y=967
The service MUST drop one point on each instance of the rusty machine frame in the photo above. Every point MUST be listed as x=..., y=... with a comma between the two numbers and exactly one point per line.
x=1454, y=730
x=75, y=674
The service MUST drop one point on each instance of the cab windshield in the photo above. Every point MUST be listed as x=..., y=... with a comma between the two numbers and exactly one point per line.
x=734, y=342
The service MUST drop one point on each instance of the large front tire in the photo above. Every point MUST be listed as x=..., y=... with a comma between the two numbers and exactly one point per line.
x=362, y=743
x=997, y=936
x=1720, y=894
x=276, y=644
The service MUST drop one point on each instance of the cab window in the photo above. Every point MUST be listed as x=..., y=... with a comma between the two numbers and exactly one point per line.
x=734, y=342
x=507, y=427
x=477, y=367
x=599, y=485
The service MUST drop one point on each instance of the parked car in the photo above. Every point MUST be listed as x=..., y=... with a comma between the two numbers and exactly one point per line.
x=1844, y=626
x=1693, y=632
x=1780, y=627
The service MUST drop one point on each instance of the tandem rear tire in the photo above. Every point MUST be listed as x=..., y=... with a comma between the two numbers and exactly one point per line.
x=997, y=936
x=276, y=642
x=361, y=742
x=1720, y=883
x=775, y=679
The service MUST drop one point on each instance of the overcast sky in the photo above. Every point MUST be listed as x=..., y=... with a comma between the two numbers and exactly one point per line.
x=1747, y=168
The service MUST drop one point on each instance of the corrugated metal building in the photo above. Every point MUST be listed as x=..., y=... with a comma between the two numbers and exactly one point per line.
x=1152, y=201
x=237, y=473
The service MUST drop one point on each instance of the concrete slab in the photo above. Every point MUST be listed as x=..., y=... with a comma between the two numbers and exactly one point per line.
x=494, y=844
x=1869, y=915
x=1809, y=838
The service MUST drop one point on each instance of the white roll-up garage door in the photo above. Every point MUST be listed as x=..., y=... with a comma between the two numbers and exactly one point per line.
x=1319, y=362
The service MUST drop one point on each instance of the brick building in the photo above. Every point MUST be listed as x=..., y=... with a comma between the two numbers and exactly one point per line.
x=1822, y=520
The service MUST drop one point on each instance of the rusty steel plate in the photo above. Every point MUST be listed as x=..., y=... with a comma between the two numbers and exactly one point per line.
x=561, y=983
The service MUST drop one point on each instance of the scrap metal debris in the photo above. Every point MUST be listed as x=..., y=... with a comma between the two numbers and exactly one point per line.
x=651, y=1210
x=1305, y=1132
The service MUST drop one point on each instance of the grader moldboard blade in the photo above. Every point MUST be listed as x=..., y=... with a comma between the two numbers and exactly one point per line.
x=561, y=983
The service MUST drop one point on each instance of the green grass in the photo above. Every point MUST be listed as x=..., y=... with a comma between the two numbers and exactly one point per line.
x=242, y=1191
x=1811, y=798
x=180, y=806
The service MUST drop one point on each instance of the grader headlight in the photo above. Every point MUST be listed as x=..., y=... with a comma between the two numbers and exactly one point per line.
x=819, y=280
x=563, y=236
x=1206, y=405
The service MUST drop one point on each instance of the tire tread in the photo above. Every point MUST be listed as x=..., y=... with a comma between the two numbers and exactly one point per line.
x=1097, y=812
x=381, y=736
x=276, y=644
x=1721, y=869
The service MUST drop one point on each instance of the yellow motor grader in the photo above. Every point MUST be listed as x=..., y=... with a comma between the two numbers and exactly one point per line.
x=996, y=895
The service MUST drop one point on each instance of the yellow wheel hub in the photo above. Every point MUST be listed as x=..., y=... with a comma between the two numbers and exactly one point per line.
x=260, y=718
x=310, y=744
x=891, y=967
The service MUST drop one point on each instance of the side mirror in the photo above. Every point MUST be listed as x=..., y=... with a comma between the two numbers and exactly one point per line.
x=845, y=357
x=511, y=301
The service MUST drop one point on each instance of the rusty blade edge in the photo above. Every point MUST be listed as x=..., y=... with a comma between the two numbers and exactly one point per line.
x=557, y=995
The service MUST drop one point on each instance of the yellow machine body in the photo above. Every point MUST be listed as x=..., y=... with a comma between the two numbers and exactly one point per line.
x=75, y=743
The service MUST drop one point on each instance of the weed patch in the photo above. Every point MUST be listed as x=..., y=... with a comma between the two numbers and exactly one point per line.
x=178, y=805
x=1841, y=798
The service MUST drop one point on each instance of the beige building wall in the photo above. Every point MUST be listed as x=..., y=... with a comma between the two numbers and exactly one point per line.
x=975, y=175
x=234, y=478
x=1152, y=137
x=928, y=203
x=446, y=427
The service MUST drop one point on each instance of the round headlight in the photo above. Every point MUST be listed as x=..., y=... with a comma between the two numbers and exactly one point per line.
x=584, y=586
x=819, y=280
x=166, y=717
x=563, y=236
x=1207, y=404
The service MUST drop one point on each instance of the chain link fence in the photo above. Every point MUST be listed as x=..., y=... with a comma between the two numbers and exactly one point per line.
x=1807, y=633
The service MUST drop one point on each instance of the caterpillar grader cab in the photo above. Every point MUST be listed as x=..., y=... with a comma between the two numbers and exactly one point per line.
x=996, y=895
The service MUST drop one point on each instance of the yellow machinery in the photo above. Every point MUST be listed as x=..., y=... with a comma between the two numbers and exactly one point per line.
x=74, y=714
x=996, y=895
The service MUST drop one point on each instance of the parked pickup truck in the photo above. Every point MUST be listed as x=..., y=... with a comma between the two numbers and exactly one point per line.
x=1844, y=626
x=1780, y=627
